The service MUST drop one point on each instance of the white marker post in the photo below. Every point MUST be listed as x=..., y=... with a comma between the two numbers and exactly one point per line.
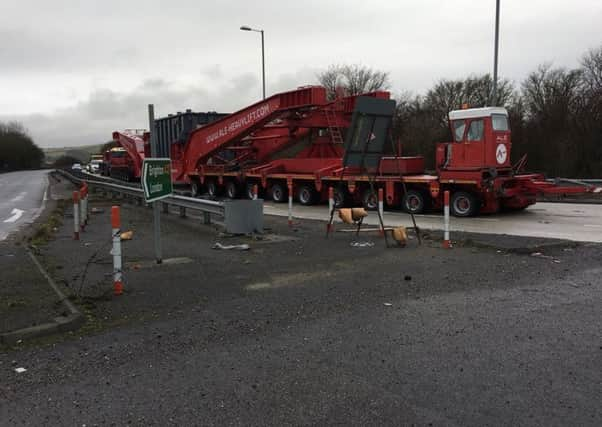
x=381, y=211
x=446, y=242
x=83, y=206
x=76, y=215
x=255, y=191
x=116, y=251
x=290, y=202
x=329, y=225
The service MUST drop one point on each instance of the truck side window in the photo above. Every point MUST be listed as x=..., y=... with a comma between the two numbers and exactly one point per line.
x=475, y=131
x=459, y=127
x=499, y=122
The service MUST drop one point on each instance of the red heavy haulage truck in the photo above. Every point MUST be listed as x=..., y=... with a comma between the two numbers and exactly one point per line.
x=293, y=142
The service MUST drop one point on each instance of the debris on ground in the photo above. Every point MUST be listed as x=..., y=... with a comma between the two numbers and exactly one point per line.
x=242, y=247
x=97, y=210
x=20, y=370
x=362, y=244
x=387, y=304
x=400, y=236
x=127, y=235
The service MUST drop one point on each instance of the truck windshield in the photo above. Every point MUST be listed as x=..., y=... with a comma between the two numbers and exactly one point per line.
x=499, y=122
x=475, y=131
x=458, y=126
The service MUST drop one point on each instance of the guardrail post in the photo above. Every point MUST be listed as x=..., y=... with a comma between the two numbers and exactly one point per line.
x=76, y=215
x=116, y=234
x=446, y=242
x=206, y=218
x=182, y=212
x=165, y=208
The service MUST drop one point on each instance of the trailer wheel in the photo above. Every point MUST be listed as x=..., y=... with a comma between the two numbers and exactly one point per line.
x=195, y=188
x=278, y=193
x=232, y=190
x=413, y=202
x=463, y=204
x=212, y=188
x=306, y=195
x=370, y=199
x=340, y=196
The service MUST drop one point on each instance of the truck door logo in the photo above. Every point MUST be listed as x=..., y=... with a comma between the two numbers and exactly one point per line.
x=501, y=154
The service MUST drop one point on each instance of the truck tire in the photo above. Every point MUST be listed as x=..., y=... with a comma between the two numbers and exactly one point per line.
x=278, y=193
x=306, y=195
x=212, y=188
x=370, y=199
x=463, y=204
x=413, y=202
x=340, y=196
x=249, y=190
x=232, y=190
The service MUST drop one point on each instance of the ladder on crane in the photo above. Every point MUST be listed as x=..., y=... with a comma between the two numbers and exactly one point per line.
x=333, y=126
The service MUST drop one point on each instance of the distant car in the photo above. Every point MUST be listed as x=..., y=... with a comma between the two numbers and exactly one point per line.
x=76, y=166
x=94, y=166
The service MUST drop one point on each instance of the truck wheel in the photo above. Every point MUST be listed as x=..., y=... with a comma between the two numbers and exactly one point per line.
x=306, y=195
x=340, y=196
x=278, y=193
x=195, y=188
x=212, y=188
x=463, y=204
x=232, y=190
x=370, y=199
x=413, y=202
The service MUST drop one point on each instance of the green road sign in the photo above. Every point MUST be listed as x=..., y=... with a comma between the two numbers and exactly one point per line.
x=156, y=179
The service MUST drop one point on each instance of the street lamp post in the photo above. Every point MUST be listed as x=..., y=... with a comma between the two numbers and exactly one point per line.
x=495, y=54
x=245, y=28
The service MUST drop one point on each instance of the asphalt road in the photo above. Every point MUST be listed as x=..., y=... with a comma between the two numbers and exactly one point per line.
x=22, y=198
x=570, y=221
x=306, y=331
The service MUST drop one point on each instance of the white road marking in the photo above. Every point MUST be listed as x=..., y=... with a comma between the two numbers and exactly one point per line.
x=19, y=197
x=16, y=214
x=593, y=225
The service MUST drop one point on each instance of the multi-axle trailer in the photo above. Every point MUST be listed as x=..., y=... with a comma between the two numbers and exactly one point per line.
x=293, y=142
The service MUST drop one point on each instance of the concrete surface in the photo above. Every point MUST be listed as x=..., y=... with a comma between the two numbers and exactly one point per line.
x=576, y=222
x=22, y=198
x=304, y=331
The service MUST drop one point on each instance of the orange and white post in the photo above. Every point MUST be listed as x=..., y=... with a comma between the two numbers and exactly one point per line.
x=381, y=212
x=446, y=242
x=116, y=251
x=255, y=191
x=330, y=225
x=76, y=215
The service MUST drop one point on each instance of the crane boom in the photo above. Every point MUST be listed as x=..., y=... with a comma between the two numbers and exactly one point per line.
x=133, y=141
x=209, y=139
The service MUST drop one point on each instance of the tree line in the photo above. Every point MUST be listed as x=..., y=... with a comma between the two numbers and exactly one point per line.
x=555, y=113
x=17, y=149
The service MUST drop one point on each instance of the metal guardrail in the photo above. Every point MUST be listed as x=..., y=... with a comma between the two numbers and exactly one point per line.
x=207, y=207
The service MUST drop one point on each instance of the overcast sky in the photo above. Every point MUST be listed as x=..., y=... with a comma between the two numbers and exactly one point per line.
x=75, y=70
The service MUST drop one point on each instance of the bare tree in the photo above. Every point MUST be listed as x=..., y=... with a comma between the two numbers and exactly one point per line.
x=352, y=79
x=591, y=64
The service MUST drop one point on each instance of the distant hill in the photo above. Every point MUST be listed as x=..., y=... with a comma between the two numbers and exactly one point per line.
x=82, y=153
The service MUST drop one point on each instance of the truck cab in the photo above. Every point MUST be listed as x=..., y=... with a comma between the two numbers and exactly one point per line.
x=481, y=142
